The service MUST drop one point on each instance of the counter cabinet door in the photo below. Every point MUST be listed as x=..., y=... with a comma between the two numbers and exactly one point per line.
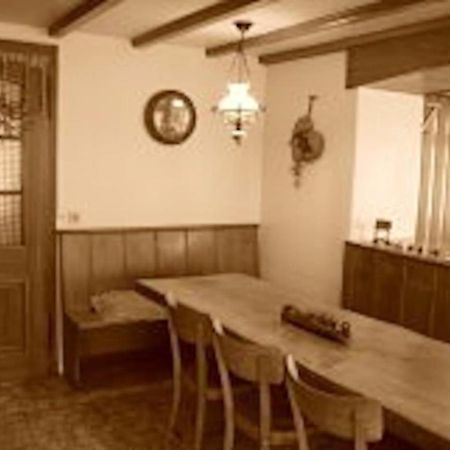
x=419, y=296
x=441, y=310
x=388, y=287
x=358, y=279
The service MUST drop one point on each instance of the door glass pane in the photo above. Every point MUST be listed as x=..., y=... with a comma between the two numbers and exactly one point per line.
x=11, y=116
x=10, y=165
x=10, y=108
x=10, y=219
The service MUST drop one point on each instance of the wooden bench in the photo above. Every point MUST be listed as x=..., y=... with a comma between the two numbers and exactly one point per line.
x=94, y=262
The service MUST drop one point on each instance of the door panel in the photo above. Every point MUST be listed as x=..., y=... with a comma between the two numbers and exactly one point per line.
x=13, y=318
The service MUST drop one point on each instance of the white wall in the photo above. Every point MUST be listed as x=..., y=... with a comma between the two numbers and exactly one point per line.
x=387, y=165
x=303, y=229
x=113, y=173
x=110, y=172
x=370, y=168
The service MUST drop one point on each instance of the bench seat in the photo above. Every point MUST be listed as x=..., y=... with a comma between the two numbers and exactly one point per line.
x=116, y=321
x=118, y=306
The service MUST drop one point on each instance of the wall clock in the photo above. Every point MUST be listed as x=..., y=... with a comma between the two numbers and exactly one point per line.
x=170, y=117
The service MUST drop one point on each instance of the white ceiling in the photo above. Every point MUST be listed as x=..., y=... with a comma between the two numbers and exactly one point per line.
x=132, y=17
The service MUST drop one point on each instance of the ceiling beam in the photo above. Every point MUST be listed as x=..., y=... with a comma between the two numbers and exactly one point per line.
x=323, y=23
x=353, y=41
x=79, y=15
x=197, y=19
x=368, y=63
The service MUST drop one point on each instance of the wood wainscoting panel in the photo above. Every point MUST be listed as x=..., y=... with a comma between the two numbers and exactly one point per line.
x=140, y=254
x=201, y=252
x=76, y=271
x=108, y=262
x=171, y=251
x=97, y=260
x=237, y=250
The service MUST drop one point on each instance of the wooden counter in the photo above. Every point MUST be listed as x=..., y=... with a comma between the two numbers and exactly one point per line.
x=398, y=287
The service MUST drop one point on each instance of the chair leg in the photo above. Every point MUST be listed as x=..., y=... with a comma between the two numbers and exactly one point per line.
x=360, y=438
x=202, y=376
x=228, y=403
x=176, y=399
x=265, y=415
x=298, y=419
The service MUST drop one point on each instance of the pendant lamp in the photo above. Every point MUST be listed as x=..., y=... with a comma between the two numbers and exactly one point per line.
x=238, y=107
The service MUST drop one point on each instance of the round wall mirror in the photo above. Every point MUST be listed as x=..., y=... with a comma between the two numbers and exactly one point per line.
x=170, y=117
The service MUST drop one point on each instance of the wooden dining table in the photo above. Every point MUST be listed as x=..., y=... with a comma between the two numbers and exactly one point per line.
x=409, y=374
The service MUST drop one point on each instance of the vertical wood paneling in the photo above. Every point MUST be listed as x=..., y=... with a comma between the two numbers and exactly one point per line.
x=108, y=262
x=96, y=261
x=201, y=252
x=140, y=254
x=171, y=252
x=236, y=250
x=75, y=271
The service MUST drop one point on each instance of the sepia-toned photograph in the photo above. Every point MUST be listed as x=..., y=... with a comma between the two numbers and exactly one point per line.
x=225, y=224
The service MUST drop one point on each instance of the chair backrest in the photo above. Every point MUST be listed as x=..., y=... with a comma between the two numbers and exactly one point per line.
x=346, y=416
x=190, y=326
x=248, y=360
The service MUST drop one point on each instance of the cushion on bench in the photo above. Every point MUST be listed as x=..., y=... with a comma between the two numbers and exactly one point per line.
x=124, y=306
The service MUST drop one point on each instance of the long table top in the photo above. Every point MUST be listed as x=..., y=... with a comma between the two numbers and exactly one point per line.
x=409, y=374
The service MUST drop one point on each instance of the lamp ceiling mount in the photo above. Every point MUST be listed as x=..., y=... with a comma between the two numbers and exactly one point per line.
x=243, y=25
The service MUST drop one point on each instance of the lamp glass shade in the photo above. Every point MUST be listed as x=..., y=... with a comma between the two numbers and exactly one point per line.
x=239, y=99
x=238, y=108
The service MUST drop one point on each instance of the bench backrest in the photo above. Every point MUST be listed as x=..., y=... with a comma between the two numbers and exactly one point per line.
x=94, y=261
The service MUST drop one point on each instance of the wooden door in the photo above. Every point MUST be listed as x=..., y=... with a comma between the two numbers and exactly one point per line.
x=26, y=209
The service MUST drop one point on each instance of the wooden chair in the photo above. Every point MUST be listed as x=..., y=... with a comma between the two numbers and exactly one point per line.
x=193, y=328
x=344, y=416
x=263, y=367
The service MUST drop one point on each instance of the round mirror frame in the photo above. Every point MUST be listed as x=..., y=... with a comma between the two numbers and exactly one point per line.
x=155, y=131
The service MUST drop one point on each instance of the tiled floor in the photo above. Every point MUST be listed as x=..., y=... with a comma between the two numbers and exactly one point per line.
x=51, y=416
